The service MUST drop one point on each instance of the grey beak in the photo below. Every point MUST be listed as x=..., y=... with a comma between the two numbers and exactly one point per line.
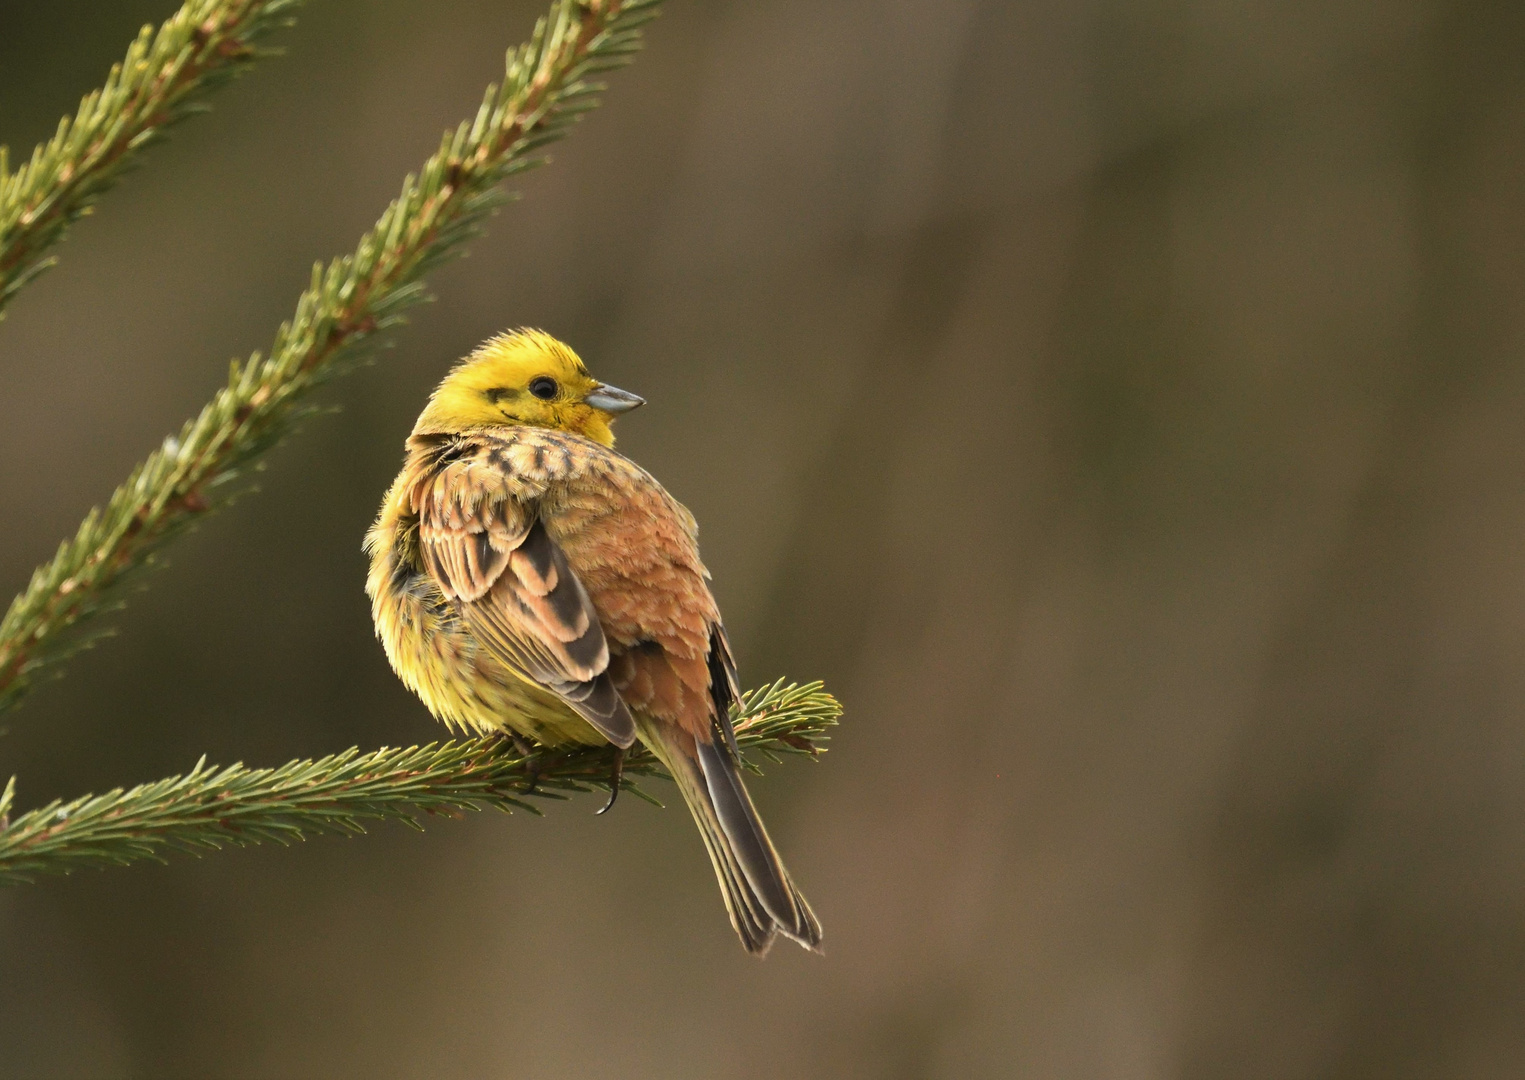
x=611, y=399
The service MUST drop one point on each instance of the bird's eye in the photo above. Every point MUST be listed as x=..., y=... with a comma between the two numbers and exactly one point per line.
x=543, y=388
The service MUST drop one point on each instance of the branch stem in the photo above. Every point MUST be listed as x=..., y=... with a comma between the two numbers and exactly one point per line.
x=163, y=78
x=210, y=808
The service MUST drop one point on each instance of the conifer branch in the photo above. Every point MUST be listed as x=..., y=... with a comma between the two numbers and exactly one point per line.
x=210, y=808
x=163, y=78
x=546, y=87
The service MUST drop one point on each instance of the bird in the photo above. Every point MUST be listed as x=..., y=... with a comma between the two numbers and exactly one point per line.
x=527, y=579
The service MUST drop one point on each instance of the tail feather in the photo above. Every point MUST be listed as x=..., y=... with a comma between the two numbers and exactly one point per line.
x=759, y=895
x=752, y=922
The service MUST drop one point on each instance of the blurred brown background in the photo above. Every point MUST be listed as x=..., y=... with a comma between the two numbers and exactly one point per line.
x=1118, y=403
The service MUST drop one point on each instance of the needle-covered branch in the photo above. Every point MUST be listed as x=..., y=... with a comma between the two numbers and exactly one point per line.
x=546, y=87
x=210, y=808
x=165, y=76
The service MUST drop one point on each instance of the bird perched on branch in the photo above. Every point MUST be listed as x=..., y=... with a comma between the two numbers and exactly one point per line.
x=525, y=578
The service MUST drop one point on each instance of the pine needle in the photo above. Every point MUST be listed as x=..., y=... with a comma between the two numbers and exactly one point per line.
x=211, y=807
x=165, y=77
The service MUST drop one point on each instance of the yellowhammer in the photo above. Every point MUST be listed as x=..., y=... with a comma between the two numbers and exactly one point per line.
x=526, y=578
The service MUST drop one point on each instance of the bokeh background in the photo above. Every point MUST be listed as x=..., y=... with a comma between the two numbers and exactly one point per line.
x=1118, y=402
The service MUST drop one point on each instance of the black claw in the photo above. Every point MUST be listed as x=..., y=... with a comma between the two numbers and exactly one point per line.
x=531, y=755
x=614, y=781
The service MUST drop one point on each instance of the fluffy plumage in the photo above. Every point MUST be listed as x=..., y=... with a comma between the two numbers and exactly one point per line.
x=525, y=577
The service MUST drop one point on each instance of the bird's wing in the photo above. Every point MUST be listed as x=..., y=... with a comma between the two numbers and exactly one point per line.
x=725, y=687
x=487, y=550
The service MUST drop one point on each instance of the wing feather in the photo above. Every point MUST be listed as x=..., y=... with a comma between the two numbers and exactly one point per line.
x=489, y=552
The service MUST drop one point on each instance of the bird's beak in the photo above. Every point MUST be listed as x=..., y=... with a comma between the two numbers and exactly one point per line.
x=611, y=399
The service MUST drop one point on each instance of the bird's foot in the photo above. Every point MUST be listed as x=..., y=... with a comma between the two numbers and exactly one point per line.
x=615, y=775
x=531, y=754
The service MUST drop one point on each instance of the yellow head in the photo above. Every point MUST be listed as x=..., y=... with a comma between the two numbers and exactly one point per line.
x=525, y=377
